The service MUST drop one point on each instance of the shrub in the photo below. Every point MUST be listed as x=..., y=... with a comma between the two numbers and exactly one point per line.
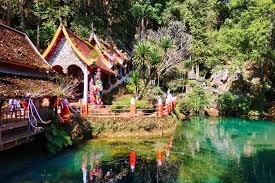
x=123, y=102
x=194, y=102
x=130, y=88
x=233, y=104
x=57, y=137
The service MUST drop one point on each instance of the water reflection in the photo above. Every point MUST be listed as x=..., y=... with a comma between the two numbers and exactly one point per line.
x=133, y=160
x=202, y=150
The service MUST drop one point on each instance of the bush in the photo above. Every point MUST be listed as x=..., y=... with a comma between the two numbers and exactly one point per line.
x=194, y=102
x=233, y=104
x=130, y=88
x=57, y=137
x=124, y=103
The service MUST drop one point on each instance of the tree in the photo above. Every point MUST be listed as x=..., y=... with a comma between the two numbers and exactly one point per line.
x=146, y=12
x=161, y=51
x=246, y=39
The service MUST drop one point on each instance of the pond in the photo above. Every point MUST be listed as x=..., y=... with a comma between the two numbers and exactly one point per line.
x=206, y=150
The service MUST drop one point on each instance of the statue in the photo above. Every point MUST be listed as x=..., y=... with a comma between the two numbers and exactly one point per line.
x=98, y=88
x=92, y=89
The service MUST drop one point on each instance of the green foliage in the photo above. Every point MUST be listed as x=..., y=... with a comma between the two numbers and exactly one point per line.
x=194, y=102
x=147, y=10
x=57, y=137
x=135, y=125
x=233, y=104
x=239, y=104
x=123, y=102
x=130, y=88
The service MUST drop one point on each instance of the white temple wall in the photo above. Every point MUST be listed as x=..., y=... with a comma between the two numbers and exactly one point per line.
x=65, y=56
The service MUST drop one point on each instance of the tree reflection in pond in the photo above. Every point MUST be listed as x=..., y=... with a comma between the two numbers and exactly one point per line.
x=201, y=150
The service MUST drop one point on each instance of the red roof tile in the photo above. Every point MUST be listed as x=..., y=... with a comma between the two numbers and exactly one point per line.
x=81, y=45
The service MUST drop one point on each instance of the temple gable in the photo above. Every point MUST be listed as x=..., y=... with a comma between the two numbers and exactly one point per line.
x=65, y=56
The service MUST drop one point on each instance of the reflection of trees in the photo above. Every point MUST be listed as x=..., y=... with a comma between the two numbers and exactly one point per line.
x=203, y=149
x=195, y=143
x=230, y=144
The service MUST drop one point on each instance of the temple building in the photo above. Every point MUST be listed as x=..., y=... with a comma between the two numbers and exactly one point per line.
x=86, y=60
x=23, y=73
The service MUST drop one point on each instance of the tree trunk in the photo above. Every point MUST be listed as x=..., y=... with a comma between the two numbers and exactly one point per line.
x=142, y=32
x=197, y=72
x=38, y=36
x=8, y=15
x=22, y=15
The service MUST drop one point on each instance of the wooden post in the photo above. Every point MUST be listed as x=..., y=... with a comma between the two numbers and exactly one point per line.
x=84, y=110
x=0, y=129
x=160, y=108
x=85, y=90
x=174, y=102
x=133, y=109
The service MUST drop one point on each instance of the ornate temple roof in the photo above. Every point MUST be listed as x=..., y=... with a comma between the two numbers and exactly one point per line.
x=118, y=55
x=109, y=50
x=84, y=50
x=17, y=49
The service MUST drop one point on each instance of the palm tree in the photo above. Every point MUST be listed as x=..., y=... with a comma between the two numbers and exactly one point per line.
x=141, y=55
x=155, y=57
x=166, y=43
x=141, y=52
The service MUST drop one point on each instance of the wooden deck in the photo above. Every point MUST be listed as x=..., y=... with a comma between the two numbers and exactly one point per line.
x=16, y=139
x=14, y=129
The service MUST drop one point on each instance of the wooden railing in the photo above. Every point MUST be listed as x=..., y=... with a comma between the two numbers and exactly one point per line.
x=15, y=115
x=121, y=110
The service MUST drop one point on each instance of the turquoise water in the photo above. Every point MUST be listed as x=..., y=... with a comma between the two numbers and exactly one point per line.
x=209, y=150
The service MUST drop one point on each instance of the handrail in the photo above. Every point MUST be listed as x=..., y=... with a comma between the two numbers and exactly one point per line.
x=13, y=115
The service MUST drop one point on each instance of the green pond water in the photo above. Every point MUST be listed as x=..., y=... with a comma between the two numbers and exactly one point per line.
x=209, y=150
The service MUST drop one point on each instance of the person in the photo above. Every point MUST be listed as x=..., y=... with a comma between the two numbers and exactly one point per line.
x=13, y=105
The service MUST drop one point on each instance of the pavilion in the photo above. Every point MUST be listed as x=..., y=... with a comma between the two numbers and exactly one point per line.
x=69, y=54
x=23, y=73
